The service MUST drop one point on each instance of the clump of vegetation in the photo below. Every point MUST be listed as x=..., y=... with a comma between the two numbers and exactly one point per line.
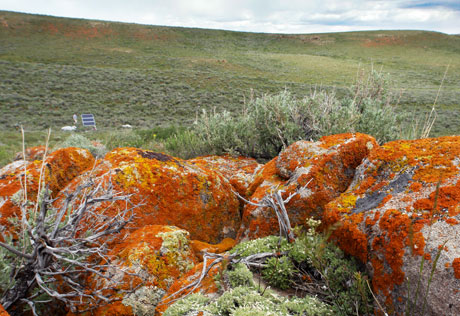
x=325, y=279
x=245, y=300
x=80, y=141
x=278, y=272
x=270, y=123
x=266, y=244
x=240, y=275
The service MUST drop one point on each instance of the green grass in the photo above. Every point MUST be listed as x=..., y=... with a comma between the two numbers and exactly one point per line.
x=150, y=76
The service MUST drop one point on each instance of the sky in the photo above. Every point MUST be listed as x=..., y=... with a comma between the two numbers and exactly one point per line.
x=268, y=16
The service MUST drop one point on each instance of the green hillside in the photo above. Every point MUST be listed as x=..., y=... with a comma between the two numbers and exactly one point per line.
x=148, y=76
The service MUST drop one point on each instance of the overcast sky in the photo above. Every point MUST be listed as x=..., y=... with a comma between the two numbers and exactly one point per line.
x=271, y=16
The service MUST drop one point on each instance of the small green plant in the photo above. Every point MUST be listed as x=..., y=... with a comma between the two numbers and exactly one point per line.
x=259, y=245
x=278, y=272
x=244, y=300
x=240, y=275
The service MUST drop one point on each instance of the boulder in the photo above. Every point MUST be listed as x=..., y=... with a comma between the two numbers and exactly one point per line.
x=169, y=191
x=316, y=171
x=207, y=286
x=158, y=255
x=400, y=212
x=3, y=312
x=32, y=153
x=239, y=171
x=59, y=169
x=200, y=247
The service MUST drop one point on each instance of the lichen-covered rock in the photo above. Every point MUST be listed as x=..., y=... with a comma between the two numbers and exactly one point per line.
x=170, y=191
x=200, y=247
x=3, y=312
x=318, y=171
x=257, y=221
x=207, y=287
x=393, y=215
x=159, y=255
x=239, y=171
x=59, y=169
x=32, y=153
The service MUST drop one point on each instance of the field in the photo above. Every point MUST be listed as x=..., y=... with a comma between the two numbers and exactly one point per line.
x=152, y=76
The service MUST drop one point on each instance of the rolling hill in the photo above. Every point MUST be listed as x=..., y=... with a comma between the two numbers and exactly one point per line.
x=156, y=76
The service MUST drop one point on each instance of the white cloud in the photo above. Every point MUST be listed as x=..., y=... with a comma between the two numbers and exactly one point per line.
x=288, y=16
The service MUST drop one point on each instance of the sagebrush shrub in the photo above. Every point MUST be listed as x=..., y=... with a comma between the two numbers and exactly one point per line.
x=80, y=141
x=270, y=123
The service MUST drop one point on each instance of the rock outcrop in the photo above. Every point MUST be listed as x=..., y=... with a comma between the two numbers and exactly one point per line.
x=403, y=207
x=395, y=207
x=207, y=287
x=170, y=191
x=32, y=153
x=158, y=255
x=239, y=171
x=317, y=171
x=59, y=168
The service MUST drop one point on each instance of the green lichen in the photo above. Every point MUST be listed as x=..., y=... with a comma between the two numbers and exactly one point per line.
x=176, y=244
x=144, y=300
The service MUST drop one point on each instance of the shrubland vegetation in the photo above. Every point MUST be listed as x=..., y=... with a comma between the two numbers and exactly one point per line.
x=193, y=92
x=325, y=281
x=156, y=77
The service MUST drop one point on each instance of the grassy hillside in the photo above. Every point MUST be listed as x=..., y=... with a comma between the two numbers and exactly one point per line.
x=149, y=75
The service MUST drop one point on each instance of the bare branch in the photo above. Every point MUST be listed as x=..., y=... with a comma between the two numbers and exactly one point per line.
x=67, y=243
x=14, y=251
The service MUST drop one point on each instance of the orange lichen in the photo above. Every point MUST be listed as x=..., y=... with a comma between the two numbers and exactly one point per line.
x=452, y=221
x=238, y=171
x=207, y=285
x=397, y=232
x=322, y=171
x=415, y=186
x=423, y=163
x=170, y=191
x=267, y=173
x=32, y=153
x=371, y=221
x=365, y=185
x=199, y=247
x=385, y=200
x=456, y=267
x=3, y=312
x=159, y=255
x=433, y=156
x=59, y=169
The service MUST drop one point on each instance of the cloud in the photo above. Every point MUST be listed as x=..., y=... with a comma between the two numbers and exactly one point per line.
x=294, y=16
x=452, y=5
